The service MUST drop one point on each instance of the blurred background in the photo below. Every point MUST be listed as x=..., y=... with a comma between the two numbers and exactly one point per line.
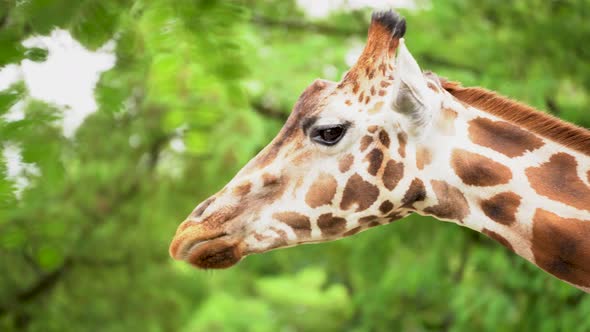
x=118, y=116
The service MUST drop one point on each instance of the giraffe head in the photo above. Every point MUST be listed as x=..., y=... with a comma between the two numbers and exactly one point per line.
x=334, y=169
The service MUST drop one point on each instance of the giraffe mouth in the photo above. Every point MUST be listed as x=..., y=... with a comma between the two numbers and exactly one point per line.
x=219, y=251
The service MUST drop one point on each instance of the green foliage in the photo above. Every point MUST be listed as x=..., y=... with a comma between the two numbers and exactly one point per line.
x=85, y=245
x=294, y=303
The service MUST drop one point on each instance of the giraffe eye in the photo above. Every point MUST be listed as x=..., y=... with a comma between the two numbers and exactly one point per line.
x=328, y=135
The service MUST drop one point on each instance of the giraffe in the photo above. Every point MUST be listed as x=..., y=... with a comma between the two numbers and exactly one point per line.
x=390, y=140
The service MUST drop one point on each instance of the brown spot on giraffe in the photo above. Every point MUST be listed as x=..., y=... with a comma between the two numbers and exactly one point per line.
x=477, y=170
x=367, y=99
x=348, y=102
x=269, y=180
x=355, y=87
x=367, y=220
x=386, y=207
x=524, y=116
x=382, y=93
x=403, y=140
x=377, y=107
x=451, y=202
x=502, y=207
x=243, y=189
x=372, y=128
x=352, y=231
x=365, y=142
x=558, y=179
x=373, y=91
x=330, y=225
x=503, y=137
x=383, y=68
x=361, y=96
x=416, y=193
x=345, y=163
x=298, y=222
x=384, y=138
x=385, y=84
x=375, y=158
x=561, y=247
x=393, y=216
x=446, y=124
x=423, y=157
x=499, y=238
x=322, y=191
x=360, y=192
x=275, y=189
x=392, y=174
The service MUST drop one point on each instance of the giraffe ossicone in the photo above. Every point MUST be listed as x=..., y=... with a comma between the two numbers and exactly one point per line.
x=389, y=140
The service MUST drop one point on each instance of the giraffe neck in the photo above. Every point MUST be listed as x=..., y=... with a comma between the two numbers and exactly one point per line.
x=525, y=191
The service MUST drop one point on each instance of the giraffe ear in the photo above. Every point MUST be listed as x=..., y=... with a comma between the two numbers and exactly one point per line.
x=411, y=93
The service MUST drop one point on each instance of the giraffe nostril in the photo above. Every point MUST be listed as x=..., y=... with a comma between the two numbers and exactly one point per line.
x=202, y=207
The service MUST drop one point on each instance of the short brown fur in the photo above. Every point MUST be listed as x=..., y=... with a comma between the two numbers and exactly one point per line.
x=322, y=191
x=392, y=174
x=423, y=157
x=375, y=159
x=402, y=139
x=416, y=193
x=385, y=207
x=540, y=123
x=477, y=170
x=358, y=192
x=298, y=222
x=561, y=247
x=345, y=163
x=503, y=137
x=558, y=179
x=451, y=202
x=502, y=207
x=330, y=225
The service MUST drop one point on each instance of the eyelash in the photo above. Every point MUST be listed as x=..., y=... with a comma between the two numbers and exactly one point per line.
x=328, y=135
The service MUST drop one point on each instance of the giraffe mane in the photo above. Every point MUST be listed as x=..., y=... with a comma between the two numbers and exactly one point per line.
x=543, y=124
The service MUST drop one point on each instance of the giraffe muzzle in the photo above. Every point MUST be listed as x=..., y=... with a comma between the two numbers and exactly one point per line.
x=209, y=243
x=204, y=249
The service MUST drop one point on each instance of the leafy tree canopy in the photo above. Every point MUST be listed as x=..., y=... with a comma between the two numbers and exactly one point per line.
x=198, y=88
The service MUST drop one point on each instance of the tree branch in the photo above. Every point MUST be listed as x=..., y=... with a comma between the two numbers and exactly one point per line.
x=326, y=29
x=48, y=281
x=43, y=285
x=431, y=60
x=308, y=27
x=552, y=106
x=269, y=112
x=457, y=277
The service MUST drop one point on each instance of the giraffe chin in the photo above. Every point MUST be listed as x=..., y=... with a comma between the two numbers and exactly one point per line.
x=219, y=253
